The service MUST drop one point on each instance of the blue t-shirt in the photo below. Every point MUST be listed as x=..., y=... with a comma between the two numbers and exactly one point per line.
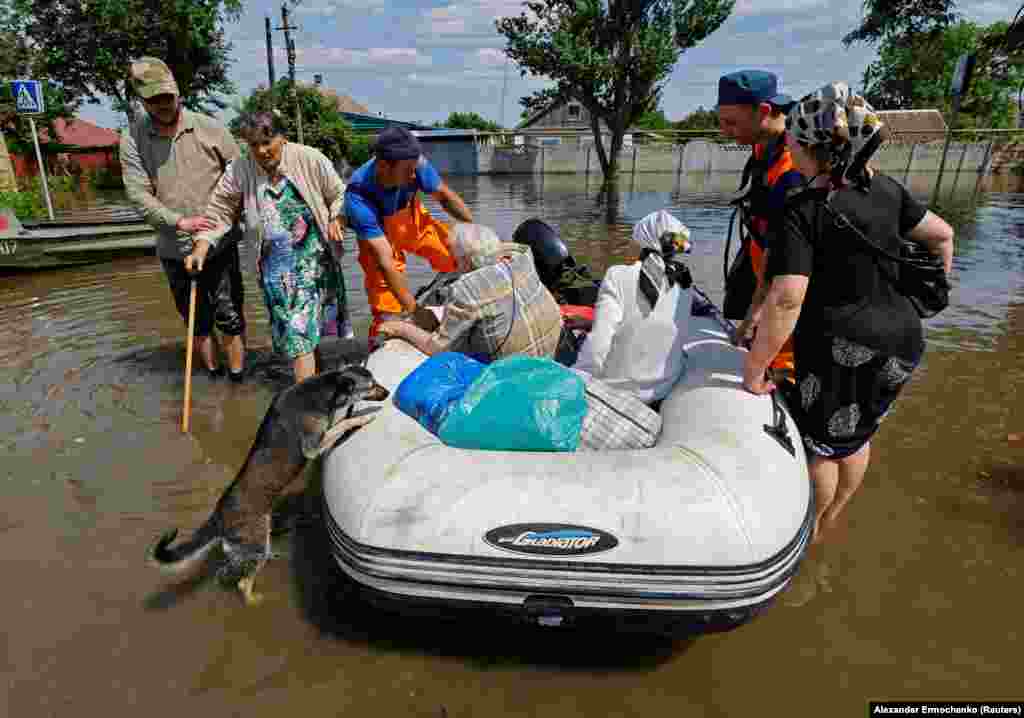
x=367, y=203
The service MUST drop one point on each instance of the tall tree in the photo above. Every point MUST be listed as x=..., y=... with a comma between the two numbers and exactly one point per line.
x=612, y=57
x=85, y=46
x=18, y=60
x=916, y=74
x=904, y=19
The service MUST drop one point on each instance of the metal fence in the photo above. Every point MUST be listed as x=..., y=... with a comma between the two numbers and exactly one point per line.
x=928, y=159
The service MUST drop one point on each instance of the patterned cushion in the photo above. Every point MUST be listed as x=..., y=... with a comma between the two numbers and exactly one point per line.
x=501, y=310
x=616, y=419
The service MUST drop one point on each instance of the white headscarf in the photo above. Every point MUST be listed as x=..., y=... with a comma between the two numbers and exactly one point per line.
x=472, y=244
x=665, y=236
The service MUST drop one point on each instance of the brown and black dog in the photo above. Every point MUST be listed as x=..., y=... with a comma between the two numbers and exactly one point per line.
x=302, y=422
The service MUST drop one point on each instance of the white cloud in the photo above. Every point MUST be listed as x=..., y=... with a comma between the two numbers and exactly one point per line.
x=986, y=12
x=468, y=23
x=490, y=56
x=432, y=80
x=777, y=7
x=382, y=59
x=330, y=8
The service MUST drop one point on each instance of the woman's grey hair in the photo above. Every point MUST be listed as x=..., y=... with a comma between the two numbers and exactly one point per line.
x=263, y=125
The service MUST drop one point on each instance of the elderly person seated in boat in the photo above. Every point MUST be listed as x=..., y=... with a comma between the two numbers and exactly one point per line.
x=641, y=315
x=497, y=308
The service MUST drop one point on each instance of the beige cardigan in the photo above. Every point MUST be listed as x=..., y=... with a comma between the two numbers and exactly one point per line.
x=243, y=182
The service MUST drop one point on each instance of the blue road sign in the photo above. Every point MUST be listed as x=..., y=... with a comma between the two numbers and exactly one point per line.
x=28, y=97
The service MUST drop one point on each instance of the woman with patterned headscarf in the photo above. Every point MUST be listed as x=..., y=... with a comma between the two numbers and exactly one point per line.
x=641, y=314
x=497, y=308
x=857, y=340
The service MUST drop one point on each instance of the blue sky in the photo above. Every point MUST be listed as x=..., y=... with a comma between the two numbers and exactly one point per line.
x=420, y=60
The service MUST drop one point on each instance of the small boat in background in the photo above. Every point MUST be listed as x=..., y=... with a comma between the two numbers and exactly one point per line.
x=75, y=238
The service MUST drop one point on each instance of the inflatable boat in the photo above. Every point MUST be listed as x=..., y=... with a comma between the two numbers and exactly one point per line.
x=694, y=535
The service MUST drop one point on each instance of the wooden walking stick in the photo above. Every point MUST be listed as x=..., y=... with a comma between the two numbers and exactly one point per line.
x=187, y=409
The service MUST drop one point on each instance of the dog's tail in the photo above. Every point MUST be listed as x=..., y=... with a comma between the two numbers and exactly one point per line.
x=184, y=561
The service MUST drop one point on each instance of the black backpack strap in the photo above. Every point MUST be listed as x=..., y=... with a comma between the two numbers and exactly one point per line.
x=844, y=223
x=748, y=171
x=755, y=168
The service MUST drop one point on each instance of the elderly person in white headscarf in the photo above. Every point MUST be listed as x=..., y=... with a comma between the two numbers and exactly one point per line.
x=497, y=308
x=641, y=314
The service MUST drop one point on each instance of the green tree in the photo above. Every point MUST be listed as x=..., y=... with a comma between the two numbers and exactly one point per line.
x=85, y=46
x=469, y=121
x=916, y=74
x=323, y=126
x=17, y=61
x=901, y=20
x=654, y=120
x=613, y=58
x=699, y=119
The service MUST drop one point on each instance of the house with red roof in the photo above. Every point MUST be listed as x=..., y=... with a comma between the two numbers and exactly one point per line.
x=80, y=146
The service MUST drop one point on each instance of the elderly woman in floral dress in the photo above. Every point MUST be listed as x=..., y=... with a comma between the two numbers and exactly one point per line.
x=292, y=197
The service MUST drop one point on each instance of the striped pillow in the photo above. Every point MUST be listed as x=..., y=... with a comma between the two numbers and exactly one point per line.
x=616, y=419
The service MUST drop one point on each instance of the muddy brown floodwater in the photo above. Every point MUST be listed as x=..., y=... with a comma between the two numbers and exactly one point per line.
x=916, y=597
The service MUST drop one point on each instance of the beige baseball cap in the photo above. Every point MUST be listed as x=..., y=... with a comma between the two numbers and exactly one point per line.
x=150, y=76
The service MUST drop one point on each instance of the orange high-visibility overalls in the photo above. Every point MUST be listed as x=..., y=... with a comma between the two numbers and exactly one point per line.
x=759, y=225
x=412, y=229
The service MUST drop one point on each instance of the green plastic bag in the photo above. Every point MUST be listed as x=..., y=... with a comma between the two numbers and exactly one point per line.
x=519, y=404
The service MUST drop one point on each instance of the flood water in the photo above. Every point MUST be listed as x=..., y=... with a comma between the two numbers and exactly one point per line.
x=916, y=597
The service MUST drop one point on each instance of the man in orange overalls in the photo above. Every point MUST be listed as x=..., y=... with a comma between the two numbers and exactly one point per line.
x=383, y=207
x=752, y=112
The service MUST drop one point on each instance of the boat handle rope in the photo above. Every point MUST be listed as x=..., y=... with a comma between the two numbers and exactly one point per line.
x=778, y=429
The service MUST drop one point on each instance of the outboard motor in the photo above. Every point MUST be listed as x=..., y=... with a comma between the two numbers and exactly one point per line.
x=549, y=251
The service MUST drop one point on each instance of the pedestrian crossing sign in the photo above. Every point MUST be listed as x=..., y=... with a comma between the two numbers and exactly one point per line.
x=28, y=97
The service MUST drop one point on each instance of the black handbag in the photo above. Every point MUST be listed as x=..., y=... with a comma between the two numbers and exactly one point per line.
x=920, y=276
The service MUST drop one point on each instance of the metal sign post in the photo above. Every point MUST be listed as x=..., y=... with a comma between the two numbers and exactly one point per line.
x=28, y=100
x=42, y=167
x=958, y=88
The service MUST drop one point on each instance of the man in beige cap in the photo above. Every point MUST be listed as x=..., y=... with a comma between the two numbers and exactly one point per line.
x=172, y=159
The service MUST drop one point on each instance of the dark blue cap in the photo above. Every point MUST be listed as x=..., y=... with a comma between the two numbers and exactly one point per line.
x=751, y=87
x=397, y=143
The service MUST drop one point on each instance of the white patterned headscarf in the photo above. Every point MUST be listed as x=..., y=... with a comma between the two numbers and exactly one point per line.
x=661, y=236
x=472, y=245
x=836, y=117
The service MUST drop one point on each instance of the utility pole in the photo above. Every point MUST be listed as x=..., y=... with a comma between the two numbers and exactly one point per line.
x=958, y=88
x=504, y=90
x=270, y=52
x=290, y=45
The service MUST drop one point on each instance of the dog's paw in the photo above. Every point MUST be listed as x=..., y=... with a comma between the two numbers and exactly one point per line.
x=248, y=595
x=336, y=432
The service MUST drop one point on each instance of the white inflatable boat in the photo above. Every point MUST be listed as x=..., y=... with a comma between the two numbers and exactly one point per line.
x=694, y=535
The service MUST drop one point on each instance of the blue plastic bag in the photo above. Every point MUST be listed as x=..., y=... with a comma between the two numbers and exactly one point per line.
x=519, y=403
x=434, y=386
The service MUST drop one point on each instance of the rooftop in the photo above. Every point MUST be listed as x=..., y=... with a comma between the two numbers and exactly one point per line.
x=918, y=125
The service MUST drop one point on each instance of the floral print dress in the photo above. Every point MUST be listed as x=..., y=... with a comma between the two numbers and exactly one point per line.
x=300, y=276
